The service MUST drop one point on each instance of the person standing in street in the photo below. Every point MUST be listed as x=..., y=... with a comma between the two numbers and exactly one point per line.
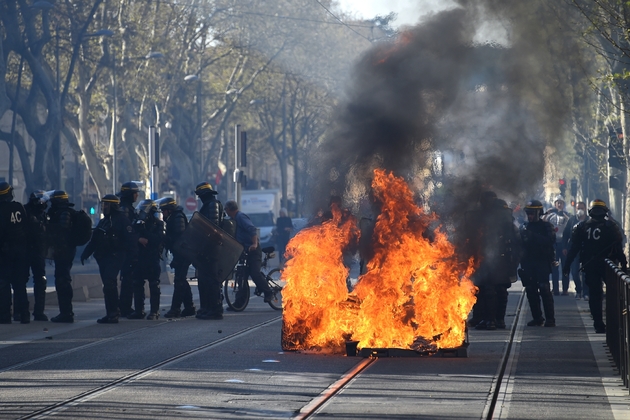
x=538, y=243
x=559, y=218
x=60, y=237
x=128, y=195
x=247, y=236
x=112, y=241
x=13, y=260
x=37, y=222
x=210, y=300
x=150, y=231
x=595, y=240
x=581, y=289
x=176, y=222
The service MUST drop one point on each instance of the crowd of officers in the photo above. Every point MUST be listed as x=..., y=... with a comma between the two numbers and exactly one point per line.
x=502, y=250
x=127, y=241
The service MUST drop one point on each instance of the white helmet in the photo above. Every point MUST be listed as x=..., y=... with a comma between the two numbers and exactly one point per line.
x=559, y=198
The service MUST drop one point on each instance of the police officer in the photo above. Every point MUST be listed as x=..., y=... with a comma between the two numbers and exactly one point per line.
x=247, y=236
x=559, y=218
x=112, y=240
x=210, y=301
x=60, y=237
x=128, y=196
x=150, y=230
x=595, y=240
x=37, y=222
x=176, y=222
x=14, y=272
x=538, y=240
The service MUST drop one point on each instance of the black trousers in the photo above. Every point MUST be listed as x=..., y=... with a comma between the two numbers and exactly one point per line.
x=126, y=286
x=594, y=279
x=148, y=270
x=108, y=268
x=209, y=288
x=63, y=282
x=537, y=288
x=38, y=269
x=13, y=274
x=182, y=293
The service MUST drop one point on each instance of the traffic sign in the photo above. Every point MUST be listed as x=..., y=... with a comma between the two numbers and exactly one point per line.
x=191, y=203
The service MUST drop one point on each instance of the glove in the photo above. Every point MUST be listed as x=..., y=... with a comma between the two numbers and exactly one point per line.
x=565, y=273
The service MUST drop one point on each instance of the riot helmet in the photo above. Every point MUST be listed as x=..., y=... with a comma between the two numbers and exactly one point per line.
x=59, y=198
x=598, y=209
x=204, y=188
x=146, y=208
x=128, y=190
x=109, y=203
x=534, y=207
x=486, y=199
x=168, y=204
x=6, y=191
x=38, y=199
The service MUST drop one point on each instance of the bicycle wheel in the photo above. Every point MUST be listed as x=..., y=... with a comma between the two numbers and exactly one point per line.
x=276, y=285
x=236, y=292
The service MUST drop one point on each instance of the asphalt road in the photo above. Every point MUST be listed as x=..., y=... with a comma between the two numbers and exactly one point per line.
x=235, y=368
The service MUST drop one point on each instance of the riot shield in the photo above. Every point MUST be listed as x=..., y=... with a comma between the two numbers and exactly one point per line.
x=203, y=242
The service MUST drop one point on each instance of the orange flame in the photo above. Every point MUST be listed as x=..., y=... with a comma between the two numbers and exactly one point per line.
x=414, y=288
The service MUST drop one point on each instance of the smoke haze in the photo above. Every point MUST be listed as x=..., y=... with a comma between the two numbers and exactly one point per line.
x=436, y=96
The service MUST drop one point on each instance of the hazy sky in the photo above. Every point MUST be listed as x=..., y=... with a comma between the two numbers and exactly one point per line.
x=408, y=11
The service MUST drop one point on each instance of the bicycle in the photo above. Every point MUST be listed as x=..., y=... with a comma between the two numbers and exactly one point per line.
x=236, y=291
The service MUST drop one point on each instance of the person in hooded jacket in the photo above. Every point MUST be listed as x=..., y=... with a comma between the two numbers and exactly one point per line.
x=112, y=241
x=210, y=299
x=59, y=235
x=595, y=240
x=128, y=196
x=176, y=223
x=13, y=260
x=150, y=230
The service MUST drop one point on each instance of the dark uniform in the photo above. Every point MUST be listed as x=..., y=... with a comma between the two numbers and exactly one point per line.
x=150, y=230
x=210, y=300
x=538, y=240
x=581, y=289
x=36, y=239
x=559, y=219
x=14, y=272
x=246, y=235
x=176, y=222
x=60, y=237
x=128, y=195
x=595, y=240
x=112, y=242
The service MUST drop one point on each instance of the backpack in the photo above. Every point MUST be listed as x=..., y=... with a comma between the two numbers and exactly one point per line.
x=81, y=228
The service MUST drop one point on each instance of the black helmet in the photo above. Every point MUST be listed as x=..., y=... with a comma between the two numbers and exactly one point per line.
x=167, y=203
x=486, y=199
x=598, y=209
x=38, y=198
x=204, y=188
x=146, y=208
x=535, y=207
x=502, y=204
x=128, y=189
x=59, y=197
x=6, y=191
x=112, y=200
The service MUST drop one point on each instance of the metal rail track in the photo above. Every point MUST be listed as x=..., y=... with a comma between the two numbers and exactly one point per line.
x=496, y=390
x=139, y=374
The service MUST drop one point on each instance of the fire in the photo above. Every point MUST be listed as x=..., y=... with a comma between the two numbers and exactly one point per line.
x=414, y=289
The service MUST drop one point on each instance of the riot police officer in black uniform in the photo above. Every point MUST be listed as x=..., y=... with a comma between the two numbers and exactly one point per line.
x=128, y=195
x=207, y=274
x=14, y=271
x=112, y=241
x=60, y=237
x=37, y=222
x=176, y=222
x=150, y=230
x=538, y=240
x=595, y=240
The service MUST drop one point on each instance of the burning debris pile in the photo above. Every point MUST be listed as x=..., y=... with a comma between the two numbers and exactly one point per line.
x=414, y=292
